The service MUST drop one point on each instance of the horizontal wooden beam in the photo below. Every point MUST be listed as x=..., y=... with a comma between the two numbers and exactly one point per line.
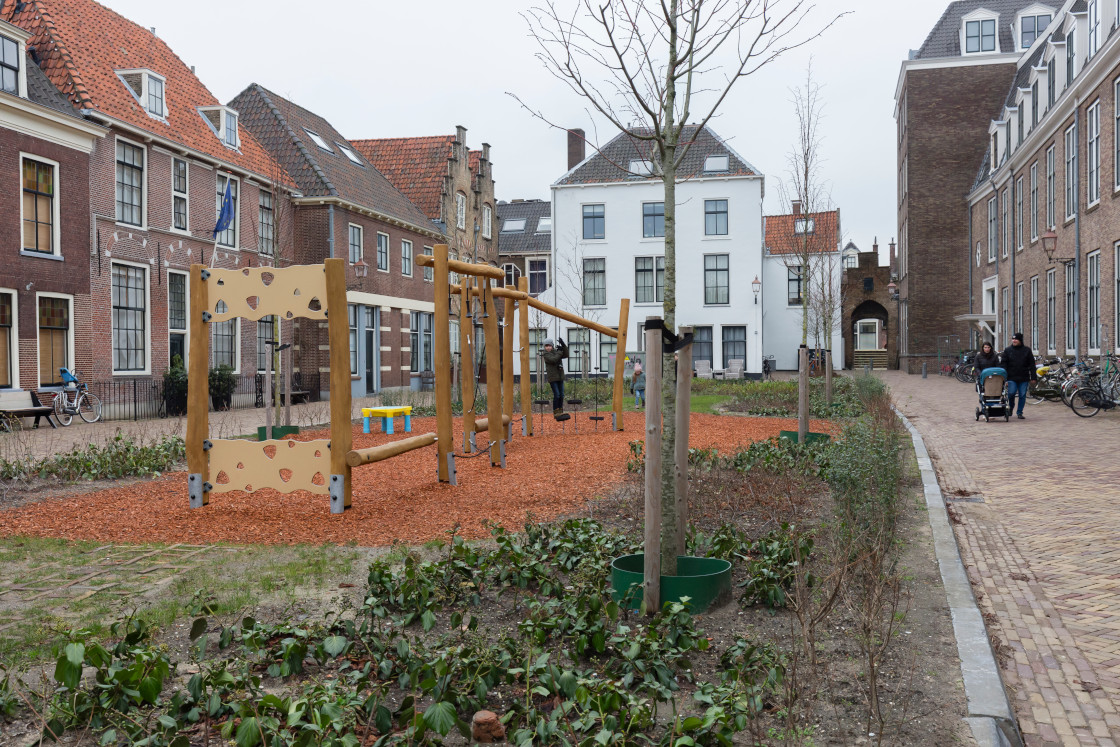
x=484, y=423
x=498, y=292
x=358, y=457
x=464, y=268
x=546, y=308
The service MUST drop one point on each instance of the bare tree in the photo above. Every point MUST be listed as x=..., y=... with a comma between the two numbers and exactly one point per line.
x=662, y=64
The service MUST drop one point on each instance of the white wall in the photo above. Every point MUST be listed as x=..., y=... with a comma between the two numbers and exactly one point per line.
x=783, y=322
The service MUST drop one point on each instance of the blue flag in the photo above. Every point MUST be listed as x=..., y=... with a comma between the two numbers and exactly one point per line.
x=225, y=217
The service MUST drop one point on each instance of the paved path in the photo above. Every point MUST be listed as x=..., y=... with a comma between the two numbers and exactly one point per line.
x=1039, y=532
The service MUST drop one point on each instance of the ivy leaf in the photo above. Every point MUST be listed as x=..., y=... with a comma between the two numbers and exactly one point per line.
x=334, y=645
x=428, y=619
x=439, y=717
x=249, y=733
x=198, y=627
x=167, y=722
x=149, y=689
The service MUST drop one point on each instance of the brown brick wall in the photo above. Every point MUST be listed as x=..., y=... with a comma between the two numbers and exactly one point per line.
x=855, y=296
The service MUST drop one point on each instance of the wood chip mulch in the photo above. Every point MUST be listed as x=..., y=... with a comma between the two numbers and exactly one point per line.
x=396, y=500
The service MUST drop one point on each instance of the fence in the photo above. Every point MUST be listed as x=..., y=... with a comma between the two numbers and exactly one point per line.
x=141, y=398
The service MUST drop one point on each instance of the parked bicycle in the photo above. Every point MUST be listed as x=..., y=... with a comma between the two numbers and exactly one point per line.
x=1100, y=391
x=965, y=368
x=75, y=399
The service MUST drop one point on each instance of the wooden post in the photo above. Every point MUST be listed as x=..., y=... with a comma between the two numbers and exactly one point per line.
x=338, y=336
x=198, y=390
x=620, y=364
x=680, y=456
x=507, y=366
x=442, y=362
x=466, y=355
x=526, y=380
x=652, y=549
x=493, y=376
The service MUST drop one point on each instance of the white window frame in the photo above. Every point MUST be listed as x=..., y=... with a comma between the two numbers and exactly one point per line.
x=1071, y=171
x=1094, y=27
x=979, y=16
x=19, y=36
x=1052, y=311
x=1116, y=135
x=361, y=243
x=1093, y=302
x=410, y=256
x=1034, y=202
x=509, y=268
x=529, y=271
x=388, y=261
x=236, y=222
x=1071, y=310
x=185, y=195
x=143, y=185
x=1034, y=313
x=186, y=332
x=993, y=228
x=1051, y=187
x=147, y=370
x=1093, y=147
x=1019, y=201
x=1005, y=220
x=487, y=221
x=1019, y=306
x=14, y=352
x=236, y=344
x=1004, y=313
x=460, y=211
x=142, y=98
x=430, y=272
x=71, y=351
x=319, y=141
x=56, y=205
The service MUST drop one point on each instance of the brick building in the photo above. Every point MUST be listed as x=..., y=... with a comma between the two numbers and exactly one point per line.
x=869, y=317
x=526, y=242
x=947, y=94
x=44, y=223
x=155, y=181
x=1053, y=162
x=346, y=208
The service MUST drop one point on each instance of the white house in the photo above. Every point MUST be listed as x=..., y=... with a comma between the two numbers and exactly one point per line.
x=608, y=244
x=789, y=239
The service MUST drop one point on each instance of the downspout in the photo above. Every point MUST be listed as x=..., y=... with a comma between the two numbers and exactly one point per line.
x=971, y=290
x=1014, y=190
x=330, y=230
x=1077, y=231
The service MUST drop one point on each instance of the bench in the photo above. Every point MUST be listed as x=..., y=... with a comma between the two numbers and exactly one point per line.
x=23, y=403
x=387, y=414
x=298, y=393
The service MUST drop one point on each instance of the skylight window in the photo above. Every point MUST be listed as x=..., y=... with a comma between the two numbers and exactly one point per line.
x=641, y=166
x=349, y=154
x=315, y=138
x=513, y=225
x=717, y=163
x=803, y=226
x=544, y=225
x=148, y=88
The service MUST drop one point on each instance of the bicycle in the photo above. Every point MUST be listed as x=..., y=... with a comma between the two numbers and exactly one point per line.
x=75, y=399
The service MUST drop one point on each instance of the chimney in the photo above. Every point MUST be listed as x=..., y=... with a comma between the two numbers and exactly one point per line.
x=875, y=246
x=576, y=147
x=893, y=257
x=460, y=141
x=796, y=207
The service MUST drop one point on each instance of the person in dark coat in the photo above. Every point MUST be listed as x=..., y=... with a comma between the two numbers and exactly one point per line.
x=987, y=357
x=638, y=385
x=554, y=369
x=1019, y=362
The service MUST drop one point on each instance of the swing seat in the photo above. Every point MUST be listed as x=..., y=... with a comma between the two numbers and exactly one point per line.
x=563, y=416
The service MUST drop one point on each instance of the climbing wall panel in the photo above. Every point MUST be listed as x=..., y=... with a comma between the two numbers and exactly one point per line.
x=257, y=292
x=285, y=466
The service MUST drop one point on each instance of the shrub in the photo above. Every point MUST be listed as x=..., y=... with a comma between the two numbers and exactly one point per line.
x=119, y=457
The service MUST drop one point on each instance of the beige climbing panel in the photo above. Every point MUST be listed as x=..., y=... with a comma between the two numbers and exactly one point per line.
x=283, y=465
x=257, y=292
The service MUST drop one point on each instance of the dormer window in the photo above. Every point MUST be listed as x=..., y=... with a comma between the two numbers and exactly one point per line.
x=318, y=140
x=1031, y=27
x=717, y=163
x=9, y=66
x=803, y=226
x=149, y=90
x=1094, y=26
x=223, y=121
x=980, y=36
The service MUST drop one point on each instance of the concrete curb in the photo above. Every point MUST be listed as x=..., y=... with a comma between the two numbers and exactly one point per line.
x=989, y=710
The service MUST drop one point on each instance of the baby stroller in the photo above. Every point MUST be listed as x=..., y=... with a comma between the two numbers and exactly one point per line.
x=991, y=387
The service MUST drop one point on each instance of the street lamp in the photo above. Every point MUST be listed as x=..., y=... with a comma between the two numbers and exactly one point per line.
x=361, y=269
x=1050, y=246
x=756, y=286
x=892, y=289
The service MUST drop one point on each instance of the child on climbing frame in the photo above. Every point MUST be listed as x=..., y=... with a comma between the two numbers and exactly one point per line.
x=553, y=366
x=638, y=385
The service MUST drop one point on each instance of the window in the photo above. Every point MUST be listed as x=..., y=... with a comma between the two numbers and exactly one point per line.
x=716, y=285
x=1094, y=26
x=229, y=236
x=1093, y=318
x=406, y=258
x=734, y=345
x=350, y=155
x=54, y=339
x=460, y=210
x=266, y=333
x=355, y=242
x=851, y=261
x=1093, y=133
x=641, y=167
x=1019, y=213
x=702, y=345
x=717, y=163
x=176, y=316
x=594, y=222
x=487, y=221
x=130, y=318
x=319, y=141
x=229, y=132
x=1019, y=116
x=180, y=174
x=980, y=36
x=536, y=341
x=383, y=252
x=579, y=345
x=512, y=273
x=1031, y=27
x=1034, y=201
x=148, y=88
x=352, y=323
x=794, y=287
x=1034, y=313
x=653, y=219
x=1051, y=82
x=649, y=279
x=429, y=272
x=1071, y=309
x=511, y=225
x=39, y=207
x=223, y=121
x=130, y=184
x=267, y=238
x=155, y=98
x=594, y=282
x=1051, y=191
x=804, y=226
x=538, y=276
x=993, y=229
x=1019, y=306
x=225, y=340
x=715, y=217
x=608, y=346
x=1006, y=221
x=1034, y=104
x=1005, y=311
x=1051, y=312
x=1071, y=171
x=1071, y=58
x=7, y=354
x=9, y=67
x=544, y=224
x=1116, y=134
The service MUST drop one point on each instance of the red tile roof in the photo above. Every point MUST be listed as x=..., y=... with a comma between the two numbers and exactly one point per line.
x=781, y=239
x=415, y=166
x=82, y=44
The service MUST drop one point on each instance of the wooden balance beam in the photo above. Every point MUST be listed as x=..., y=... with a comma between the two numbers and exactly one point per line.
x=358, y=457
x=482, y=424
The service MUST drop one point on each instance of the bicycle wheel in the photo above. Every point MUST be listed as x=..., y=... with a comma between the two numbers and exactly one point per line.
x=1033, y=398
x=89, y=407
x=1086, y=402
x=60, y=414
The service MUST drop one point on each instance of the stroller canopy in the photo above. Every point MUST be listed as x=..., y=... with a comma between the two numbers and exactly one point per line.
x=992, y=372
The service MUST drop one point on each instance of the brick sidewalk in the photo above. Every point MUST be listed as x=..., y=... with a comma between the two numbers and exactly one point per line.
x=1040, y=536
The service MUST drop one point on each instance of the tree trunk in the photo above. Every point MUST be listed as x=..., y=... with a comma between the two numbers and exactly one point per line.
x=828, y=378
x=802, y=394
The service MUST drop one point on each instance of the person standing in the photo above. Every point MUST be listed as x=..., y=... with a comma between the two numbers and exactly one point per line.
x=553, y=365
x=987, y=357
x=1019, y=362
x=638, y=386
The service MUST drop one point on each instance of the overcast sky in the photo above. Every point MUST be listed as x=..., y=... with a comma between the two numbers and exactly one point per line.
x=391, y=69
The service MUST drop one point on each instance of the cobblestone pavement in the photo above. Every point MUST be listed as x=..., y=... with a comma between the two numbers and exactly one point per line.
x=1034, y=503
